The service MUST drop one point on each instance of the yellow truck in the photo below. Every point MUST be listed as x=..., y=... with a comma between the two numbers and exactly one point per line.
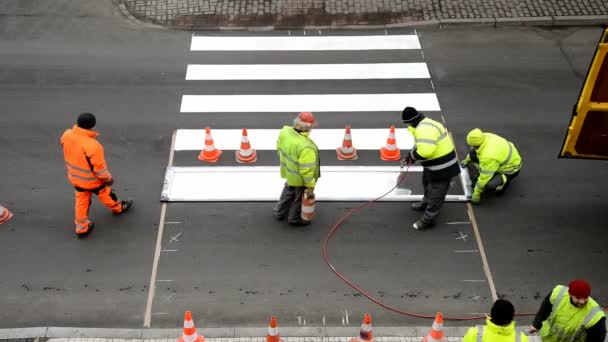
x=587, y=135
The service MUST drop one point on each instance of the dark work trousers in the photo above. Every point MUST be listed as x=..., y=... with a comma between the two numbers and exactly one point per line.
x=434, y=196
x=290, y=204
x=496, y=180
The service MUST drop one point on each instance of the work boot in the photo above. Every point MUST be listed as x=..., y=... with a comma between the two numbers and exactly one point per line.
x=125, y=206
x=84, y=233
x=418, y=206
x=419, y=225
x=300, y=223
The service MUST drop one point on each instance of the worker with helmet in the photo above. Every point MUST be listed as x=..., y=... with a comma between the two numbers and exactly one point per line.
x=493, y=162
x=88, y=172
x=300, y=167
x=435, y=151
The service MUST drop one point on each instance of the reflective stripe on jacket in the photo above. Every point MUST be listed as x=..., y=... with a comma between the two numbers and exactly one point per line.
x=494, y=333
x=496, y=154
x=568, y=323
x=84, y=158
x=434, y=149
x=299, y=158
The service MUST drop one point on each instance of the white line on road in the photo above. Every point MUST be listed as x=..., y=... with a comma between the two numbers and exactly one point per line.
x=211, y=72
x=306, y=43
x=308, y=102
x=169, y=250
x=462, y=237
x=159, y=237
x=173, y=222
x=174, y=238
x=463, y=222
x=266, y=139
x=165, y=281
x=466, y=251
x=474, y=280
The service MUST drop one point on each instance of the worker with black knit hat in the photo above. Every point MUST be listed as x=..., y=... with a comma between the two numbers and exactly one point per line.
x=500, y=326
x=434, y=150
x=569, y=314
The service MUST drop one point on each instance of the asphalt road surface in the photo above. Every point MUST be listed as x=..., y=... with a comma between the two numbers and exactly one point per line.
x=231, y=263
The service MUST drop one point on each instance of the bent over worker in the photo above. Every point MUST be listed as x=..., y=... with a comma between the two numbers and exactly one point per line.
x=300, y=167
x=435, y=151
x=493, y=162
x=569, y=314
x=88, y=172
x=500, y=326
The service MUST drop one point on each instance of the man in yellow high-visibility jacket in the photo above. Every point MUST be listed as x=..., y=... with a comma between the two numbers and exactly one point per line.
x=493, y=162
x=435, y=151
x=569, y=314
x=500, y=326
x=300, y=167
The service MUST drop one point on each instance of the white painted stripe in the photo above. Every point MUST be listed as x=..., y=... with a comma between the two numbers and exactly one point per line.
x=311, y=103
x=266, y=139
x=336, y=184
x=306, y=71
x=310, y=43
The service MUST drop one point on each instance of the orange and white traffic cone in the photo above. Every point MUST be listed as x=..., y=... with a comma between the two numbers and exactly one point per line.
x=347, y=151
x=246, y=154
x=5, y=215
x=436, y=333
x=209, y=153
x=365, y=334
x=390, y=151
x=273, y=331
x=190, y=334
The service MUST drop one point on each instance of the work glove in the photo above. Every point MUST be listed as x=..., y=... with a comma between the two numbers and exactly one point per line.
x=309, y=192
x=110, y=182
x=408, y=160
x=464, y=163
x=476, y=199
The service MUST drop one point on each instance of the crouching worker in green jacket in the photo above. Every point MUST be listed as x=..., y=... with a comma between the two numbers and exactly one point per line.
x=500, y=326
x=300, y=167
x=493, y=163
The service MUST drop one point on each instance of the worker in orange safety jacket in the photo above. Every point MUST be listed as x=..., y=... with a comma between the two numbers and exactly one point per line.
x=88, y=172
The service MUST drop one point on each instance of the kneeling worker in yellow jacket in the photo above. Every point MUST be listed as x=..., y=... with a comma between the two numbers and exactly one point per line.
x=500, y=327
x=493, y=162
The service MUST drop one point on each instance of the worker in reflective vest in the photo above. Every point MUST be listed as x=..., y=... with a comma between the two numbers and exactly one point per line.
x=569, y=314
x=88, y=172
x=435, y=151
x=493, y=162
x=500, y=327
x=300, y=167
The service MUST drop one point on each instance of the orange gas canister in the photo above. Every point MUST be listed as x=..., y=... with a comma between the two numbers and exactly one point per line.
x=308, y=207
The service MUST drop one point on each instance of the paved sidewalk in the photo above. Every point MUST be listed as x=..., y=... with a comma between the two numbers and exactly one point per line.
x=297, y=14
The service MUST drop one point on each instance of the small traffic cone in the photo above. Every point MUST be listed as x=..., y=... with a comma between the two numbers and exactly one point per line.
x=190, y=334
x=390, y=151
x=365, y=334
x=273, y=331
x=245, y=154
x=5, y=215
x=347, y=151
x=209, y=153
x=436, y=333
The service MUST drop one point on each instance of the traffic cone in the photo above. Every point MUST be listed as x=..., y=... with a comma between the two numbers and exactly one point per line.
x=365, y=334
x=190, y=334
x=246, y=154
x=273, y=331
x=347, y=151
x=5, y=215
x=436, y=333
x=390, y=151
x=209, y=153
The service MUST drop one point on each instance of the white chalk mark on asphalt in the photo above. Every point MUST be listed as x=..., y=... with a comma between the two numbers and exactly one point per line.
x=323, y=320
x=466, y=251
x=346, y=312
x=474, y=280
x=172, y=222
x=164, y=281
x=169, y=250
x=159, y=239
x=299, y=320
x=463, y=222
x=476, y=297
x=168, y=298
x=462, y=237
x=174, y=238
x=343, y=321
x=160, y=313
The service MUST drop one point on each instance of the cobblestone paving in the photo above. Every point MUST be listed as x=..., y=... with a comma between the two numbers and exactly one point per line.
x=298, y=13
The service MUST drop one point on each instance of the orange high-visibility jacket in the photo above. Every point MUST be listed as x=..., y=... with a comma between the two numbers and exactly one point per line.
x=84, y=158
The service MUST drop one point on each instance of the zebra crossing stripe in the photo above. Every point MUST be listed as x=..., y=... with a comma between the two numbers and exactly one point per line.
x=213, y=72
x=312, y=103
x=266, y=139
x=305, y=43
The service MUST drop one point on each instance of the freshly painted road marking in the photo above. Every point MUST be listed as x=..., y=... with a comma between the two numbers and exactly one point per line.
x=224, y=183
x=308, y=102
x=266, y=139
x=159, y=237
x=306, y=43
x=209, y=72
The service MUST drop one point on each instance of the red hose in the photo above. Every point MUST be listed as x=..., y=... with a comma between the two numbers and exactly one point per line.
x=337, y=226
